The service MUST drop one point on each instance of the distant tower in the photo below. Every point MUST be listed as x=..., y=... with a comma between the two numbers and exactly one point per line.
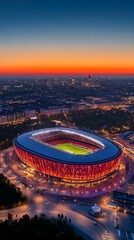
x=89, y=77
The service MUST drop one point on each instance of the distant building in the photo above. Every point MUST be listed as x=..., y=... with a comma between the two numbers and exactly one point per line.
x=12, y=118
x=18, y=116
x=124, y=197
x=65, y=110
x=30, y=113
x=49, y=112
x=3, y=119
x=79, y=106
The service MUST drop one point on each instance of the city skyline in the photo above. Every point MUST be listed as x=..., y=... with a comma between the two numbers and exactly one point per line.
x=70, y=37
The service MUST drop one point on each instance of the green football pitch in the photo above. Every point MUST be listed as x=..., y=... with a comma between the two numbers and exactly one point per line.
x=70, y=148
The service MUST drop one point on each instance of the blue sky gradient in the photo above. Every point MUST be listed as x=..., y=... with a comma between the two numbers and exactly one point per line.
x=99, y=24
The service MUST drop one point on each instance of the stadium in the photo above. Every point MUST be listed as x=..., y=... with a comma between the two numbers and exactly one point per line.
x=68, y=154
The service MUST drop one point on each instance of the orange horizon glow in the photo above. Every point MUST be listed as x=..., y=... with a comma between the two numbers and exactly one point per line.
x=67, y=71
x=66, y=60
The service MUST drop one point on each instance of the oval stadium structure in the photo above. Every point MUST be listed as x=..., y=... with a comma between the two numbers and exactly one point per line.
x=67, y=153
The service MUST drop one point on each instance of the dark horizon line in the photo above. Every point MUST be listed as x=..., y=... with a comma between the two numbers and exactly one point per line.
x=66, y=74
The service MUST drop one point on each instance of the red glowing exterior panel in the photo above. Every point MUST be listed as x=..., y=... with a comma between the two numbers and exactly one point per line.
x=67, y=171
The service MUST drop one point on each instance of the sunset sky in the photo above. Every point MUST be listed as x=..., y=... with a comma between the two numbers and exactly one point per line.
x=68, y=36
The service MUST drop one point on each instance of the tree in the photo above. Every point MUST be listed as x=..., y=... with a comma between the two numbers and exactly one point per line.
x=25, y=218
x=10, y=216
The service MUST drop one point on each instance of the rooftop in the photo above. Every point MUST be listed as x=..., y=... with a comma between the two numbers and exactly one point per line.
x=108, y=152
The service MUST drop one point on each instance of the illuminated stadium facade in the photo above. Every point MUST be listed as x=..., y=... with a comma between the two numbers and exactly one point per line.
x=68, y=154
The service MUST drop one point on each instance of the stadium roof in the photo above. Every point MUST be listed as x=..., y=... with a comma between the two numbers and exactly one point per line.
x=108, y=152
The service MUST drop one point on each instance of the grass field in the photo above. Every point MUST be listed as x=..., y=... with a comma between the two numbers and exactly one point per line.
x=70, y=148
